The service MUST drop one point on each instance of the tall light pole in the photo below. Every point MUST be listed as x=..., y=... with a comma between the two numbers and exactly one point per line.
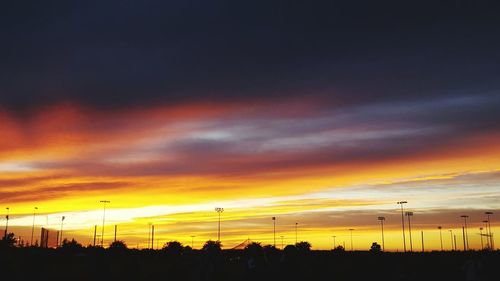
x=274, y=230
x=296, y=225
x=441, y=237
x=422, y=235
x=6, y=222
x=403, y=222
x=481, y=235
x=382, y=219
x=219, y=211
x=334, y=244
x=61, y=232
x=149, y=235
x=409, y=214
x=352, y=248
x=33, y=226
x=451, y=239
x=153, y=236
x=466, y=234
x=464, y=238
x=488, y=245
x=492, y=246
x=103, y=219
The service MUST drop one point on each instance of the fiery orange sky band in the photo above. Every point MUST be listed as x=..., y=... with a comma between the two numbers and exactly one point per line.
x=171, y=165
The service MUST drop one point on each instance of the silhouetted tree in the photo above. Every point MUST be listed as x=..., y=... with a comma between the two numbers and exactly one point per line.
x=339, y=249
x=375, y=247
x=303, y=246
x=118, y=245
x=8, y=241
x=212, y=246
x=73, y=244
x=254, y=247
x=173, y=248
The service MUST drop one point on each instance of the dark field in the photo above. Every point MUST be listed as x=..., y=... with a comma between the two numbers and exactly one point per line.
x=99, y=264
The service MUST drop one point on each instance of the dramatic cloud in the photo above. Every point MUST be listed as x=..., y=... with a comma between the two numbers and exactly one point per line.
x=319, y=113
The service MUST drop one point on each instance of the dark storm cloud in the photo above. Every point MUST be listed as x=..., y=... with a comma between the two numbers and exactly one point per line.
x=250, y=145
x=129, y=53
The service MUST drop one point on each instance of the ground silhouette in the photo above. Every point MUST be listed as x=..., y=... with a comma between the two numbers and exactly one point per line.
x=72, y=261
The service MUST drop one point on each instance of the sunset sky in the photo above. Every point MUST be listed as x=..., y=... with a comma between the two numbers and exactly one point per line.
x=319, y=114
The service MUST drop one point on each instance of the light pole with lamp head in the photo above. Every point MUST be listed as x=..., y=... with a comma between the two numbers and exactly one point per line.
x=219, y=211
x=481, y=235
x=296, y=225
x=104, y=202
x=6, y=223
x=466, y=234
x=33, y=226
x=352, y=248
x=451, y=239
x=274, y=231
x=382, y=219
x=61, y=232
x=492, y=245
x=409, y=214
x=487, y=235
x=441, y=237
x=403, y=223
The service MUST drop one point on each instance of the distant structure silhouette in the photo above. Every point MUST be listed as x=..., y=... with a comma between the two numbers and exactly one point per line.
x=243, y=245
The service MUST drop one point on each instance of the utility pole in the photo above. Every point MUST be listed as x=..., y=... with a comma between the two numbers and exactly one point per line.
x=403, y=223
x=95, y=233
x=115, y=232
x=334, y=244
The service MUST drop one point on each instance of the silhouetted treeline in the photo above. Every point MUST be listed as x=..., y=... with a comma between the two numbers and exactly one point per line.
x=175, y=262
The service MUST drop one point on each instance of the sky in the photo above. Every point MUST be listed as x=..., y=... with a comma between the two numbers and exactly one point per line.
x=323, y=115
